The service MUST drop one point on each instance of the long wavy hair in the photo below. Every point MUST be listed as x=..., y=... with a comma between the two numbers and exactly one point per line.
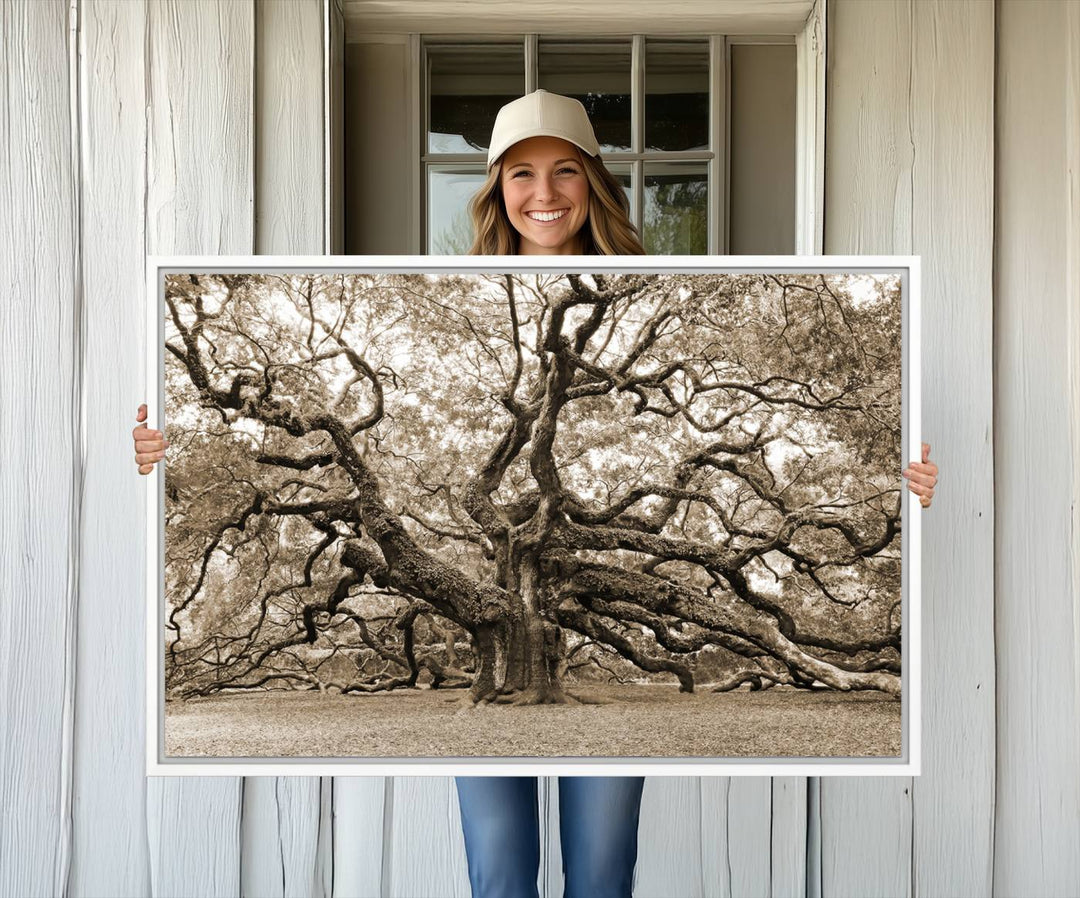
x=607, y=230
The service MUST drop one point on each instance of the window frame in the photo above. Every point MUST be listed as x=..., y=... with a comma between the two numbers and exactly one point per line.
x=810, y=116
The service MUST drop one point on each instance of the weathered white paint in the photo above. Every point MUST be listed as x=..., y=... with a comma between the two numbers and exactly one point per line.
x=669, y=838
x=279, y=835
x=788, y=844
x=952, y=129
x=200, y=199
x=425, y=841
x=289, y=127
x=109, y=813
x=280, y=829
x=362, y=807
x=810, y=134
x=909, y=152
x=557, y=17
x=40, y=434
x=160, y=154
x=193, y=831
x=1036, y=837
x=868, y=154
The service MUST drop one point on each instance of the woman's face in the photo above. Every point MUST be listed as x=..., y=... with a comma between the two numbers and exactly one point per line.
x=546, y=195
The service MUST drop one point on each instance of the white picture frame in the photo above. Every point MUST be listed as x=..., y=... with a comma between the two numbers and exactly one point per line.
x=908, y=763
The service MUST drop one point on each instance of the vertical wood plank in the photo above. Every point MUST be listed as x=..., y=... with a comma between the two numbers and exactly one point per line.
x=193, y=829
x=670, y=841
x=199, y=200
x=324, y=856
x=110, y=854
x=280, y=837
x=870, y=155
x=910, y=170
x=866, y=836
x=281, y=815
x=750, y=835
x=289, y=128
x=40, y=436
x=952, y=84
x=715, y=845
x=1036, y=834
x=200, y=192
x=361, y=816
x=868, y=151
x=737, y=836
x=788, y=845
x=426, y=844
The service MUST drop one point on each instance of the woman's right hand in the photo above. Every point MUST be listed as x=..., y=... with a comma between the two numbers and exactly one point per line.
x=149, y=444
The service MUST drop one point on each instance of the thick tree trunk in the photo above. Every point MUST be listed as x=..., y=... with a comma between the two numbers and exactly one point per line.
x=483, y=687
x=534, y=647
x=516, y=650
x=530, y=647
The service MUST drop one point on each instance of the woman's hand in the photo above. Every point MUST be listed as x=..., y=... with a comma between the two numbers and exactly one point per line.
x=149, y=445
x=922, y=477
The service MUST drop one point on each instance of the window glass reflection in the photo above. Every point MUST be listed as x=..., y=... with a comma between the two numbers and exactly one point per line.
x=467, y=84
x=676, y=95
x=676, y=208
x=596, y=74
x=449, y=191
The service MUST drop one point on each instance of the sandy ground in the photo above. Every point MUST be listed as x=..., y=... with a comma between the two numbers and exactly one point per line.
x=642, y=722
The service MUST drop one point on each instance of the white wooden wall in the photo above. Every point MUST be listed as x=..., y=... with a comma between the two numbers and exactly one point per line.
x=1036, y=838
x=184, y=127
x=909, y=146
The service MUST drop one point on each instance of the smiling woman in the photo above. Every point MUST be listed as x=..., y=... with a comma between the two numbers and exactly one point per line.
x=543, y=160
x=546, y=195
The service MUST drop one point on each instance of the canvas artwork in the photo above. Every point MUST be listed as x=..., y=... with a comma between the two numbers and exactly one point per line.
x=543, y=515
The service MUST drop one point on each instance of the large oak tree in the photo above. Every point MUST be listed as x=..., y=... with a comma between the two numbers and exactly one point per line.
x=647, y=465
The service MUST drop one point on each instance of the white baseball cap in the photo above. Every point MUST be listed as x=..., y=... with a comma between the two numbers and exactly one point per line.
x=541, y=113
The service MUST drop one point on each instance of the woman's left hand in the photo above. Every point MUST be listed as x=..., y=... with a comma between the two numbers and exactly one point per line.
x=922, y=477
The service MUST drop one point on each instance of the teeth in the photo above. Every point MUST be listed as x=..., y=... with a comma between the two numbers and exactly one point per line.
x=547, y=216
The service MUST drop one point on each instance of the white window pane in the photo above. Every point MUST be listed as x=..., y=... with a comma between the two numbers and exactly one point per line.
x=449, y=191
x=676, y=208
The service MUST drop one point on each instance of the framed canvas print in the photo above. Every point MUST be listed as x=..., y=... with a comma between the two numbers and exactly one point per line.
x=510, y=515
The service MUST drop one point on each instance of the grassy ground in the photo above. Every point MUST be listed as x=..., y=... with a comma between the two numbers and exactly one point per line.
x=642, y=722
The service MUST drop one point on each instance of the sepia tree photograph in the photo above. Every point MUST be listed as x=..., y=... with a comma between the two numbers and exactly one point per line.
x=483, y=515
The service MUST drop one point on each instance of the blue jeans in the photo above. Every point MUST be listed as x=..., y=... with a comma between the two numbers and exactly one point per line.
x=598, y=821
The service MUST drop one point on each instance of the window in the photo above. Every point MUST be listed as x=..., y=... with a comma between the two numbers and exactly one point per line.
x=660, y=108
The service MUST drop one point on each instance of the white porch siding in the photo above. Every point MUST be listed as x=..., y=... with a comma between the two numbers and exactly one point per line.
x=135, y=127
